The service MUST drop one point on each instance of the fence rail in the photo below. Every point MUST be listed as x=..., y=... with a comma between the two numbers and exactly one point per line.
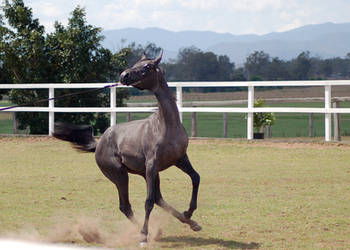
x=328, y=110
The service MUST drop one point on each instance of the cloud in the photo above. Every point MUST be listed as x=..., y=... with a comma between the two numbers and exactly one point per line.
x=238, y=17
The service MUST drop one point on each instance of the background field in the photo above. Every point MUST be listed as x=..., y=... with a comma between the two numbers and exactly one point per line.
x=211, y=124
x=266, y=195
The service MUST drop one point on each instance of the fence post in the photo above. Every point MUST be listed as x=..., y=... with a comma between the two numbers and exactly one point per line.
x=128, y=117
x=113, y=100
x=225, y=124
x=250, y=119
x=328, y=116
x=269, y=134
x=311, y=124
x=179, y=100
x=15, y=125
x=51, y=112
x=336, y=116
x=194, y=124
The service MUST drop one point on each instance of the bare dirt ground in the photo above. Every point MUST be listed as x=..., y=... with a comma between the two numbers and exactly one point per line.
x=81, y=231
x=301, y=142
x=290, y=92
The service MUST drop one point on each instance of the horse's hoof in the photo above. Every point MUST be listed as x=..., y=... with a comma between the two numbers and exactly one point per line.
x=195, y=227
x=143, y=244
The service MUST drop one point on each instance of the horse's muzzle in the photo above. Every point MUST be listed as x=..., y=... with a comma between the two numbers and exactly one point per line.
x=125, y=78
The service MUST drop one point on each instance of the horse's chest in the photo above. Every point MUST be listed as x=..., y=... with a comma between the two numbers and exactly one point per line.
x=170, y=152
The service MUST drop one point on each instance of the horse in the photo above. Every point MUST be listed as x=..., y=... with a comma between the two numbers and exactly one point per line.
x=143, y=147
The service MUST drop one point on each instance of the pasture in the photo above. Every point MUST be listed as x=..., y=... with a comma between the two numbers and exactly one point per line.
x=211, y=124
x=267, y=195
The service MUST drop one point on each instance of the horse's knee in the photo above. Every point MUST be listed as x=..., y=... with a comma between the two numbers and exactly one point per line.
x=149, y=204
x=196, y=179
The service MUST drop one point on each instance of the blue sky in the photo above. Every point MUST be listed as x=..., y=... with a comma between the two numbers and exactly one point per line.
x=233, y=16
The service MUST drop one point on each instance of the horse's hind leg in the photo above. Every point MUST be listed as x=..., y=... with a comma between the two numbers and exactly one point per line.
x=122, y=183
x=185, y=165
x=163, y=204
x=119, y=176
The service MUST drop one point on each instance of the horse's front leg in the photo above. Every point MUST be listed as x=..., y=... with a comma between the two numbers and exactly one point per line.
x=185, y=165
x=150, y=200
x=180, y=216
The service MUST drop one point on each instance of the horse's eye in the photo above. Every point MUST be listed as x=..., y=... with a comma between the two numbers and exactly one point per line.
x=147, y=66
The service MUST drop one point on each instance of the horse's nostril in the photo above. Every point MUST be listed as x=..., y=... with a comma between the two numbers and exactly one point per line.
x=124, y=75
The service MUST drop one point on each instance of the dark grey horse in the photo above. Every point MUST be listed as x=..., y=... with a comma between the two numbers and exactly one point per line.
x=143, y=147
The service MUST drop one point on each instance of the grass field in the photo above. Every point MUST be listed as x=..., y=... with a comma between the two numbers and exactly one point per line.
x=266, y=195
x=211, y=124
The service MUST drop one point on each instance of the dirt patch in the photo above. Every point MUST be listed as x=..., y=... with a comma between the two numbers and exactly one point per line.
x=314, y=145
x=89, y=231
x=26, y=138
x=288, y=92
x=278, y=143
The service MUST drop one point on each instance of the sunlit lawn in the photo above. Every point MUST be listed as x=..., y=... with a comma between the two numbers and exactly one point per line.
x=259, y=194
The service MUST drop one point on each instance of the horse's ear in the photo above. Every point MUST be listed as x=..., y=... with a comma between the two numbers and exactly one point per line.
x=143, y=56
x=159, y=57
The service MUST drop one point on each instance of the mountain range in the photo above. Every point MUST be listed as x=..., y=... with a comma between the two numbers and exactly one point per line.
x=326, y=40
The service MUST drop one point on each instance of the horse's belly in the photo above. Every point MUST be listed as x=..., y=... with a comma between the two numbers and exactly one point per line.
x=134, y=163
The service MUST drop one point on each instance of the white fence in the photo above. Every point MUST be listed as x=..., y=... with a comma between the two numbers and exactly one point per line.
x=249, y=110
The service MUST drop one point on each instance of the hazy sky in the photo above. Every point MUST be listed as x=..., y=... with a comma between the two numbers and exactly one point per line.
x=233, y=16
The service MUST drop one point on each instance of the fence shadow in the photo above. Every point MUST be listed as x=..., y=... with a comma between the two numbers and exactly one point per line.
x=183, y=241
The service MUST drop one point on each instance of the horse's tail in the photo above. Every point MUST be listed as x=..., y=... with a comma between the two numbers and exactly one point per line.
x=80, y=136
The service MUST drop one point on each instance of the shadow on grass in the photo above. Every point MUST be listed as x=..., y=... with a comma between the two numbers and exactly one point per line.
x=183, y=241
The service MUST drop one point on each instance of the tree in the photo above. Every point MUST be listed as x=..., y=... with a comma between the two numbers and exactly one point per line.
x=256, y=64
x=277, y=70
x=192, y=64
x=341, y=67
x=226, y=68
x=4, y=74
x=25, y=59
x=70, y=54
x=76, y=55
x=137, y=50
x=25, y=50
x=302, y=66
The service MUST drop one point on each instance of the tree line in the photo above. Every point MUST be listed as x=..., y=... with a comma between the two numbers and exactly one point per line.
x=192, y=64
x=70, y=54
x=74, y=54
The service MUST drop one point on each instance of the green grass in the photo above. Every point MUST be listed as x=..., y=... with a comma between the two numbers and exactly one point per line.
x=6, y=123
x=253, y=194
x=286, y=125
x=211, y=124
x=5, y=103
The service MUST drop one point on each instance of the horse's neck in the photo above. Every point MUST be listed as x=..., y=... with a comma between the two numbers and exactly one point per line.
x=167, y=108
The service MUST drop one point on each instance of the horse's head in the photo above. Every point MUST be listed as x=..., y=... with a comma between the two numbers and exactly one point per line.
x=145, y=74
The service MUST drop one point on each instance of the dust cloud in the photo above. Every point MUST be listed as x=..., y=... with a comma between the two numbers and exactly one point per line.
x=87, y=231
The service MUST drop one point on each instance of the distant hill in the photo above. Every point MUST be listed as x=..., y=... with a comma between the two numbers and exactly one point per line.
x=325, y=40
